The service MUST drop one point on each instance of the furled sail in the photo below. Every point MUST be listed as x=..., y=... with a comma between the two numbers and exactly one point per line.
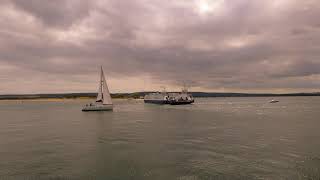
x=105, y=90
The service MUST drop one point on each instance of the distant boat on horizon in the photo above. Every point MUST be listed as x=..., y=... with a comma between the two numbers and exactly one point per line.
x=103, y=101
x=274, y=101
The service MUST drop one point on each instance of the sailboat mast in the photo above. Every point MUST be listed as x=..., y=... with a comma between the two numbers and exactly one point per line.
x=101, y=83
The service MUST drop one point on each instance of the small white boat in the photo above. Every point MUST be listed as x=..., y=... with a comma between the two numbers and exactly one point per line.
x=274, y=101
x=103, y=102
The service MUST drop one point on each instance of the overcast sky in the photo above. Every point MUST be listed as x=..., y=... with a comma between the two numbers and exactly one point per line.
x=49, y=46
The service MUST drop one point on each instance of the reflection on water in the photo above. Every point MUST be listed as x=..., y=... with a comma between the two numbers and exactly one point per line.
x=216, y=138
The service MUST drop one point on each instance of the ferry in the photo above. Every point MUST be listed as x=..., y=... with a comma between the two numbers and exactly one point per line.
x=181, y=98
x=157, y=98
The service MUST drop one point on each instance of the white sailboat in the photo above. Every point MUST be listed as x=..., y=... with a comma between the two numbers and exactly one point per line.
x=103, y=102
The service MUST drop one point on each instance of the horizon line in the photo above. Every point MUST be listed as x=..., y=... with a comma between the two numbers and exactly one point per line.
x=217, y=92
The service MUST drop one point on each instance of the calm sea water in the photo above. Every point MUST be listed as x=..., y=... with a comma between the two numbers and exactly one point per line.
x=216, y=138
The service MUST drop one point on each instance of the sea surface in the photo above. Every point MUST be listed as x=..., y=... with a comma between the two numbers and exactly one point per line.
x=215, y=138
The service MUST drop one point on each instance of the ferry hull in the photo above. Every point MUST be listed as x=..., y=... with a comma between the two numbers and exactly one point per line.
x=98, y=108
x=156, y=101
x=181, y=102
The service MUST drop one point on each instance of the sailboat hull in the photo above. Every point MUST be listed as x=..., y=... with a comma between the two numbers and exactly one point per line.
x=95, y=107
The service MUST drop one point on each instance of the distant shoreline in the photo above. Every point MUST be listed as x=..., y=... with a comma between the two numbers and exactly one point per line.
x=139, y=95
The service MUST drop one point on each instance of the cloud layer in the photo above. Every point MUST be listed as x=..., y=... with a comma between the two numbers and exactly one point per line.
x=212, y=45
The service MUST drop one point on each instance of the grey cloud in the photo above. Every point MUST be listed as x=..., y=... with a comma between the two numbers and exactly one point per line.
x=248, y=45
x=61, y=13
x=299, y=68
